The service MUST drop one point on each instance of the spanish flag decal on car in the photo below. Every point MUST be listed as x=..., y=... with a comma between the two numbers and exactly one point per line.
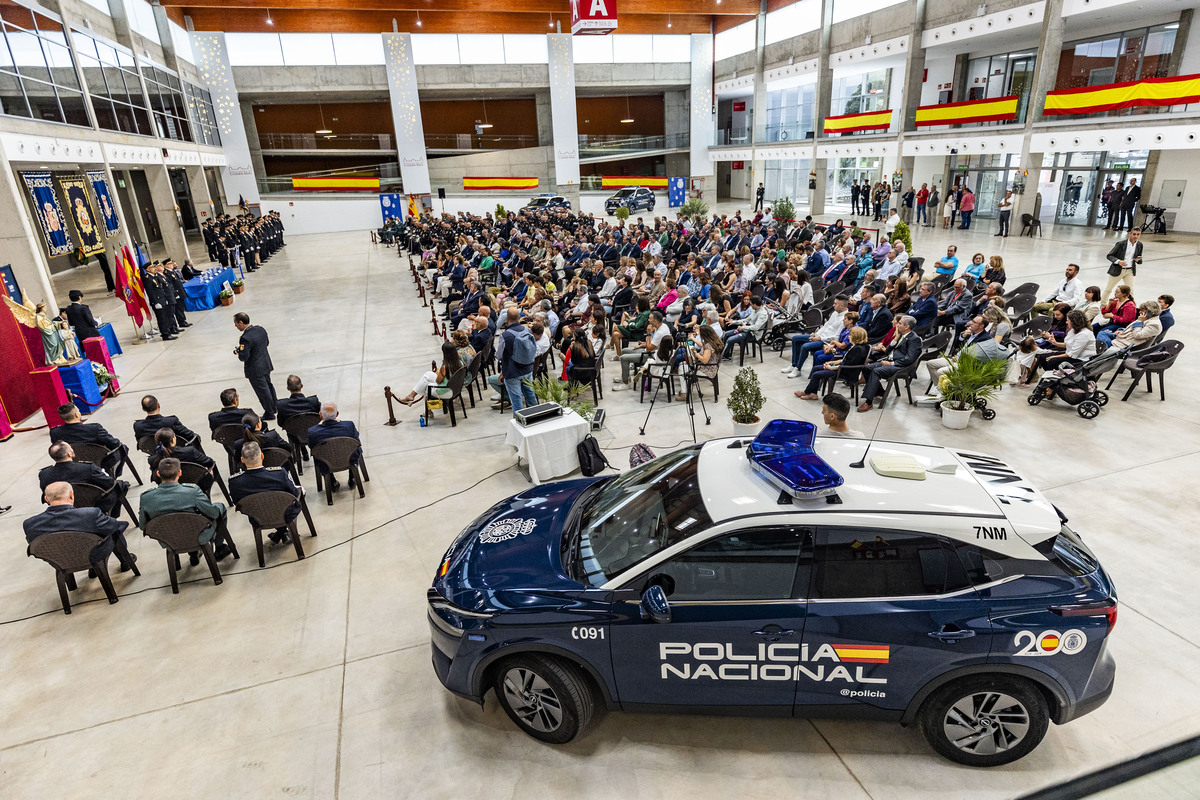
x=863, y=653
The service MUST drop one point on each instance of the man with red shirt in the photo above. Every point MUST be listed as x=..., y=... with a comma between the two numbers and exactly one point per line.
x=922, y=201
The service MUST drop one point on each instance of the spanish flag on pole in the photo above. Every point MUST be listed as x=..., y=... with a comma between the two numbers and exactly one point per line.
x=414, y=208
x=129, y=286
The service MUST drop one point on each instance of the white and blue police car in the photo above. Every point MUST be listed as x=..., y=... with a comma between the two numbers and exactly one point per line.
x=789, y=575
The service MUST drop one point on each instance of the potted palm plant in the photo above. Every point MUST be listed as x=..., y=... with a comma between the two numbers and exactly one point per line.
x=969, y=380
x=745, y=401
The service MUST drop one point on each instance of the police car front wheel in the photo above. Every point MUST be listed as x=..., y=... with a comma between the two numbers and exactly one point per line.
x=985, y=721
x=547, y=698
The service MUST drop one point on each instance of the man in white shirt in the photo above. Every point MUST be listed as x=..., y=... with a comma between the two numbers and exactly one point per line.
x=609, y=290
x=751, y=326
x=748, y=268
x=894, y=263
x=1070, y=291
x=803, y=344
x=892, y=221
x=656, y=329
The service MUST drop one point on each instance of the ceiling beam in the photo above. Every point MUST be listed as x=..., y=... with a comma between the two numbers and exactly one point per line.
x=431, y=7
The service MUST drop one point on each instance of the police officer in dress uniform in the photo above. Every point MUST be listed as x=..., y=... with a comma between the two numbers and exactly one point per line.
x=252, y=352
x=67, y=469
x=257, y=478
x=157, y=290
x=175, y=278
x=74, y=431
x=149, y=425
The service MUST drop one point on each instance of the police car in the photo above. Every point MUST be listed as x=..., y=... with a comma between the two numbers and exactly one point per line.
x=544, y=202
x=788, y=575
x=631, y=197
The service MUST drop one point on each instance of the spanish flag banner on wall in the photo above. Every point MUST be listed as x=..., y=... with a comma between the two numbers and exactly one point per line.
x=621, y=181
x=500, y=183
x=986, y=110
x=335, y=184
x=867, y=121
x=1151, y=92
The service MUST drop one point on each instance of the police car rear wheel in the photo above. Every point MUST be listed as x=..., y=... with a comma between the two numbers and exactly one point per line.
x=545, y=697
x=985, y=722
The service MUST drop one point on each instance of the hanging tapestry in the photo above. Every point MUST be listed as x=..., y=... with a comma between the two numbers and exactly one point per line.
x=45, y=204
x=108, y=211
x=79, y=206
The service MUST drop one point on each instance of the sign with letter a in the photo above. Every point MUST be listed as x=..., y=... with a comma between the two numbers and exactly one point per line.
x=596, y=17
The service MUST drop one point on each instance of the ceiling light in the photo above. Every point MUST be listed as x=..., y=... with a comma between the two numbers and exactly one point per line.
x=418, y=19
x=668, y=20
x=627, y=121
x=483, y=125
x=324, y=131
x=551, y=21
x=628, y=114
x=269, y=20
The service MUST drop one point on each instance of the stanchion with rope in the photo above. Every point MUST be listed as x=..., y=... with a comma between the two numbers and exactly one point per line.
x=387, y=394
x=433, y=318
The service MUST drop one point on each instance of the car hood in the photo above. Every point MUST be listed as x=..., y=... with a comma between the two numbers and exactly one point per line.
x=512, y=548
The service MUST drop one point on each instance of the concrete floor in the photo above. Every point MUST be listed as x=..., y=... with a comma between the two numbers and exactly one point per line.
x=313, y=678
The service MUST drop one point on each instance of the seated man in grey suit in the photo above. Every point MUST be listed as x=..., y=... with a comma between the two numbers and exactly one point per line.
x=171, y=496
x=63, y=516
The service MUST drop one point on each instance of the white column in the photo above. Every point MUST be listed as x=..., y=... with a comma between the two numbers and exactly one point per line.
x=702, y=102
x=565, y=123
x=406, y=112
x=212, y=58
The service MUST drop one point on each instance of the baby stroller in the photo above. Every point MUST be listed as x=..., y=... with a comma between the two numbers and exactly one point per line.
x=1076, y=386
x=780, y=335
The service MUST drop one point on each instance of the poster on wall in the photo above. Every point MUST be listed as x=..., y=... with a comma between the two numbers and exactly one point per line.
x=108, y=211
x=79, y=205
x=390, y=206
x=50, y=216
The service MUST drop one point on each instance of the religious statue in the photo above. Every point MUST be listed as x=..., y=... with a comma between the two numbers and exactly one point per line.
x=61, y=348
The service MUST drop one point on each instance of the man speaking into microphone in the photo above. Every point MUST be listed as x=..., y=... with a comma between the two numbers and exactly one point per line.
x=252, y=352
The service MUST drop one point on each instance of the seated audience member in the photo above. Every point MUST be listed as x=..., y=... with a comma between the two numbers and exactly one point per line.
x=706, y=355
x=948, y=264
x=440, y=380
x=256, y=431
x=656, y=330
x=835, y=408
x=75, y=431
x=881, y=318
x=1119, y=311
x=803, y=344
x=154, y=420
x=256, y=478
x=904, y=351
x=1077, y=346
x=330, y=427
x=67, y=469
x=231, y=412
x=924, y=308
x=1166, y=318
x=956, y=310
x=750, y=327
x=1089, y=304
x=995, y=271
x=979, y=340
x=1069, y=291
x=632, y=326
x=171, y=496
x=63, y=516
x=1143, y=330
x=166, y=446
x=852, y=361
x=296, y=402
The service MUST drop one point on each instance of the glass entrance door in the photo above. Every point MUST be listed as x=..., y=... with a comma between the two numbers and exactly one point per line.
x=1076, y=197
x=1020, y=82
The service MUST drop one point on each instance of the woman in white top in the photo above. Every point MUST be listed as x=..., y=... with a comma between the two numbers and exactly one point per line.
x=947, y=209
x=1077, y=346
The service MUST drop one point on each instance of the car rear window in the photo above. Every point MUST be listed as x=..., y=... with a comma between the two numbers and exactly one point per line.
x=1063, y=556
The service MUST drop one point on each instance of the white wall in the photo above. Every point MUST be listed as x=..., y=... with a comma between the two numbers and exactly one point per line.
x=1179, y=165
x=928, y=169
x=941, y=71
x=326, y=213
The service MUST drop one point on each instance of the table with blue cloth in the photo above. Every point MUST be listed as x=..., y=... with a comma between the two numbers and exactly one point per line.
x=80, y=381
x=114, y=346
x=200, y=293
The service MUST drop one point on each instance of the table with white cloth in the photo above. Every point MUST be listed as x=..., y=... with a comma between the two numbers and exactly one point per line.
x=549, y=447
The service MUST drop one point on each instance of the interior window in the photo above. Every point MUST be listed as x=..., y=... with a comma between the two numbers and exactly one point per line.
x=870, y=562
x=987, y=566
x=748, y=565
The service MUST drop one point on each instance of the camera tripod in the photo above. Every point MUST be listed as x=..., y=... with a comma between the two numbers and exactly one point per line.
x=690, y=382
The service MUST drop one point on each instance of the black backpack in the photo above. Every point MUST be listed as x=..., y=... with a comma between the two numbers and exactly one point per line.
x=591, y=459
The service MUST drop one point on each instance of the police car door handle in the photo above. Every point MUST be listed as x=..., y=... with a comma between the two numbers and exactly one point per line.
x=952, y=635
x=774, y=630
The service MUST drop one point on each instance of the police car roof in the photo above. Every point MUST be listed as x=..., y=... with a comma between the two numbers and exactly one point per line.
x=981, y=486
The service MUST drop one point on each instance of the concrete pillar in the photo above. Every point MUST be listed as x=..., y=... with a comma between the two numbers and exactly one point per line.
x=124, y=34
x=1045, y=74
x=406, y=112
x=19, y=241
x=170, y=59
x=250, y=124
x=169, y=223
x=701, y=95
x=564, y=119
x=822, y=98
x=914, y=71
x=676, y=117
x=545, y=123
x=206, y=208
x=212, y=59
x=961, y=89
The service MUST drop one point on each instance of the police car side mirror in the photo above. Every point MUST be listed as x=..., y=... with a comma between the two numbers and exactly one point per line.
x=655, y=606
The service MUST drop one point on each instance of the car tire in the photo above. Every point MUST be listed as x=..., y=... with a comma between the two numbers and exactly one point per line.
x=545, y=697
x=1004, y=718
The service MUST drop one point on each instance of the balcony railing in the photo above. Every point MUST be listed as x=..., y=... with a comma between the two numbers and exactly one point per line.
x=786, y=132
x=478, y=141
x=316, y=141
x=729, y=137
x=600, y=145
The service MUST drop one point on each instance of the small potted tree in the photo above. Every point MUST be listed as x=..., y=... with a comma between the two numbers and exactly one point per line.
x=622, y=214
x=903, y=234
x=784, y=214
x=238, y=286
x=745, y=401
x=226, y=297
x=694, y=208
x=969, y=380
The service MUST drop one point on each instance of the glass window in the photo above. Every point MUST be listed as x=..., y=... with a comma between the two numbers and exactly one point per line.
x=204, y=118
x=986, y=566
x=594, y=49
x=865, y=562
x=435, y=48
x=141, y=19
x=856, y=94
x=358, y=48
x=115, y=90
x=632, y=48
x=480, y=48
x=749, y=565
x=645, y=510
x=39, y=77
x=12, y=99
x=168, y=103
x=307, y=49
x=670, y=48
x=793, y=20
x=735, y=40
x=254, y=49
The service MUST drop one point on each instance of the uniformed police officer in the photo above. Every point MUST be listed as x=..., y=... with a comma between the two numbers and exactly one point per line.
x=161, y=296
x=65, y=468
x=175, y=278
x=74, y=431
x=252, y=352
x=257, y=478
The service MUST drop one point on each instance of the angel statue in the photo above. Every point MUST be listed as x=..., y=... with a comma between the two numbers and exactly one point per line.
x=59, y=352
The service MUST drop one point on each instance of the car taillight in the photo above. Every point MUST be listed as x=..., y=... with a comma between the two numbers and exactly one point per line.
x=1106, y=607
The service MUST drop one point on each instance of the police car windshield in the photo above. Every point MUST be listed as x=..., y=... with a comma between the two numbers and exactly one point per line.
x=539, y=201
x=624, y=193
x=648, y=509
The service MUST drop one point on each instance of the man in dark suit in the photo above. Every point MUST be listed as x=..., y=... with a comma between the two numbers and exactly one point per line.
x=257, y=478
x=924, y=308
x=162, y=300
x=149, y=425
x=1129, y=205
x=904, y=352
x=171, y=496
x=74, y=431
x=331, y=427
x=63, y=516
x=880, y=321
x=957, y=309
x=80, y=317
x=252, y=352
x=296, y=402
x=65, y=468
x=231, y=412
x=1123, y=261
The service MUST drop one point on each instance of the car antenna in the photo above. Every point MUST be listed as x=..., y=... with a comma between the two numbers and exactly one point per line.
x=862, y=461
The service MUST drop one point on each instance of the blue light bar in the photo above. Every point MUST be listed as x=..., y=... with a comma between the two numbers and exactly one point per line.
x=783, y=454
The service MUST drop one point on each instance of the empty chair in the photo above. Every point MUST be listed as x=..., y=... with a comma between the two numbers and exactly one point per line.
x=70, y=552
x=89, y=495
x=1159, y=359
x=181, y=532
x=1035, y=326
x=1024, y=288
x=269, y=510
x=335, y=455
x=146, y=444
x=1020, y=305
x=190, y=472
x=96, y=454
x=297, y=430
x=755, y=342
